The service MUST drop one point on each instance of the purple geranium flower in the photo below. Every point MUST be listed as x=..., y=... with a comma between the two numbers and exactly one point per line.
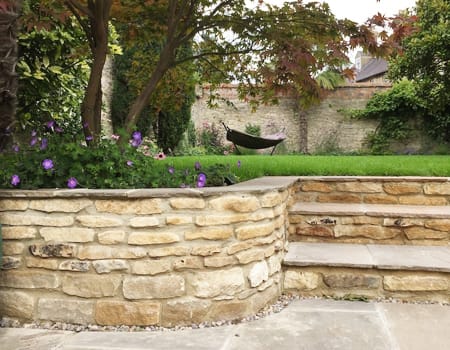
x=33, y=141
x=33, y=133
x=44, y=144
x=197, y=166
x=15, y=180
x=201, y=180
x=136, y=135
x=50, y=124
x=47, y=164
x=129, y=163
x=58, y=129
x=239, y=164
x=171, y=169
x=72, y=182
x=16, y=148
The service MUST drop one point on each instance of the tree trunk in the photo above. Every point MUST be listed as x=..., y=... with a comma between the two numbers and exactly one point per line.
x=8, y=77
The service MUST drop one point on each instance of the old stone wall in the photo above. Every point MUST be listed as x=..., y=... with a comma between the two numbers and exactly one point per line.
x=327, y=127
x=142, y=257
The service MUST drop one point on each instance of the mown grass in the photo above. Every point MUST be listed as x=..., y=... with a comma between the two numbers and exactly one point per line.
x=253, y=166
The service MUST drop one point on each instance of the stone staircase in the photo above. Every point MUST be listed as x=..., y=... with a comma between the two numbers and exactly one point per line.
x=370, y=237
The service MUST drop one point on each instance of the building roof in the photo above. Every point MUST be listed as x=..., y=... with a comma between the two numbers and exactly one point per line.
x=375, y=67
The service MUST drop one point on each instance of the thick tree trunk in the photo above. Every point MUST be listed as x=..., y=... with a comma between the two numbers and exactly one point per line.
x=8, y=77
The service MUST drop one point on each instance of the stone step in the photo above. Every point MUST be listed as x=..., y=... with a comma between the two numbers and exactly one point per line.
x=368, y=270
x=369, y=223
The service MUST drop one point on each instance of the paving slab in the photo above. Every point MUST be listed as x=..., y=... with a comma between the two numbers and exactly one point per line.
x=328, y=254
x=31, y=339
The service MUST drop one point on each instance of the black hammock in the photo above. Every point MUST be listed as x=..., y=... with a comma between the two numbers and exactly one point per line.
x=253, y=142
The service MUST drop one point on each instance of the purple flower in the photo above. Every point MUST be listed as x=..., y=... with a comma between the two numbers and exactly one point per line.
x=16, y=148
x=197, y=166
x=136, y=135
x=33, y=133
x=15, y=180
x=85, y=125
x=50, y=124
x=129, y=163
x=33, y=141
x=171, y=169
x=72, y=182
x=136, y=143
x=89, y=138
x=239, y=164
x=44, y=144
x=201, y=180
x=58, y=129
x=47, y=164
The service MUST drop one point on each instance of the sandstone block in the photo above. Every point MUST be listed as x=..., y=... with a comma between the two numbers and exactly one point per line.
x=248, y=256
x=102, y=252
x=380, y=199
x=422, y=200
x=267, y=284
x=440, y=225
x=229, y=310
x=271, y=199
x=19, y=232
x=255, y=230
x=154, y=252
x=339, y=198
x=274, y=264
x=403, y=222
x=107, y=266
x=49, y=264
x=351, y=280
x=65, y=310
x=269, y=251
x=150, y=267
x=91, y=286
x=67, y=234
x=29, y=279
x=206, y=250
x=10, y=262
x=258, y=274
x=415, y=283
x=424, y=233
x=98, y=221
x=360, y=187
x=368, y=231
x=111, y=237
x=179, y=220
x=237, y=203
x=211, y=233
x=13, y=248
x=399, y=188
x=60, y=205
x=187, y=203
x=359, y=220
x=157, y=237
x=114, y=313
x=437, y=188
x=212, y=284
x=301, y=280
x=75, y=265
x=134, y=206
x=212, y=220
x=16, y=304
x=156, y=287
x=61, y=250
x=144, y=221
x=13, y=204
x=314, y=230
x=188, y=262
x=239, y=246
x=317, y=187
x=219, y=261
x=35, y=220
x=185, y=312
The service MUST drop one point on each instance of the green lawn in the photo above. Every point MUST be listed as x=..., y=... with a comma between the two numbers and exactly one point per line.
x=253, y=166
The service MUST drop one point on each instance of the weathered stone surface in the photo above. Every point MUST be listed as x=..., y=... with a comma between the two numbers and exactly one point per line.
x=168, y=251
x=53, y=250
x=19, y=232
x=228, y=310
x=403, y=222
x=212, y=233
x=351, y=280
x=380, y=199
x=219, y=261
x=360, y=187
x=102, y=252
x=255, y=230
x=239, y=246
x=185, y=312
x=223, y=283
x=359, y=220
x=150, y=267
x=187, y=203
x=10, y=262
x=13, y=248
x=314, y=230
x=157, y=237
x=179, y=220
x=441, y=225
x=415, y=283
x=240, y=204
x=49, y=264
x=29, y=279
x=397, y=188
x=263, y=286
x=188, y=262
x=135, y=206
x=16, y=304
x=317, y=187
x=114, y=313
x=422, y=200
x=66, y=310
x=274, y=264
x=75, y=265
x=271, y=199
x=37, y=220
x=60, y=205
x=212, y=220
x=368, y=231
x=258, y=274
x=67, y=234
x=301, y=280
x=424, y=233
x=156, y=287
x=248, y=256
x=107, y=266
x=13, y=204
x=437, y=188
x=111, y=237
x=339, y=198
x=91, y=286
x=206, y=250
x=269, y=251
x=145, y=221
x=98, y=221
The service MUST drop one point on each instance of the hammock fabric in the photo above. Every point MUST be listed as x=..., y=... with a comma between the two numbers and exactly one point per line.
x=253, y=142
